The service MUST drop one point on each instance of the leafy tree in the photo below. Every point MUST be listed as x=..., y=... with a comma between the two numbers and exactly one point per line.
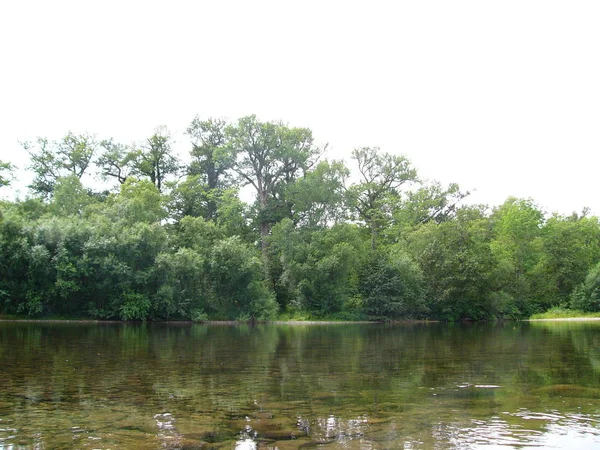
x=138, y=201
x=269, y=156
x=382, y=175
x=211, y=159
x=116, y=160
x=6, y=169
x=431, y=202
x=155, y=158
x=317, y=198
x=317, y=270
x=71, y=156
x=456, y=262
x=570, y=246
x=391, y=286
x=586, y=297
x=70, y=197
x=191, y=197
x=516, y=246
x=182, y=284
x=236, y=279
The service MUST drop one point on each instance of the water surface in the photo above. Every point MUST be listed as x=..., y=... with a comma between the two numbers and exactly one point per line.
x=434, y=386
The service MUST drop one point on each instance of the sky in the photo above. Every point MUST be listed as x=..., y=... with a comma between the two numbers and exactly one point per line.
x=501, y=97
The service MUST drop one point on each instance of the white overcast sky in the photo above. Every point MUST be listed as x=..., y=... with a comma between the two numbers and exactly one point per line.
x=499, y=96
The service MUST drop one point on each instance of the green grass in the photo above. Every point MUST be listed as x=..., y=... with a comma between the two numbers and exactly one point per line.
x=564, y=313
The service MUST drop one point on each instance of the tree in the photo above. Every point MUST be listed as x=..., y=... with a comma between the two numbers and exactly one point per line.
x=431, y=202
x=6, y=169
x=269, y=156
x=70, y=197
x=71, y=156
x=155, y=159
x=391, y=285
x=382, y=174
x=457, y=263
x=570, y=246
x=586, y=296
x=516, y=246
x=211, y=158
x=317, y=266
x=116, y=161
x=317, y=198
x=236, y=280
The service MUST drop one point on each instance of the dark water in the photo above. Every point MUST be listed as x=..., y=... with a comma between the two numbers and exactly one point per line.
x=310, y=386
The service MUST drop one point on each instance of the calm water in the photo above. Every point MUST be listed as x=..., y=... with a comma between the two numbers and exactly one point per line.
x=309, y=386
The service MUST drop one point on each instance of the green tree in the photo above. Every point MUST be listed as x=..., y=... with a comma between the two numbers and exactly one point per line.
x=211, y=159
x=457, y=263
x=586, y=297
x=391, y=286
x=71, y=156
x=430, y=202
x=236, y=279
x=116, y=160
x=6, y=169
x=317, y=271
x=516, y=246
x=382, y=175
x=70, y=197
x=155, y=158
x=318, y=198
x=269, y=156
x=570, y=246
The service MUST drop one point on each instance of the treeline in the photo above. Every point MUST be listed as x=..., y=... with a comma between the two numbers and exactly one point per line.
x=165, y=240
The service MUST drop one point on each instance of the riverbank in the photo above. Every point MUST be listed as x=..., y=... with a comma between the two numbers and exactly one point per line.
x=566, y=319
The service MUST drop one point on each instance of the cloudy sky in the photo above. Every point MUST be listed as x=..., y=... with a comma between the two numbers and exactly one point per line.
x=500, y=96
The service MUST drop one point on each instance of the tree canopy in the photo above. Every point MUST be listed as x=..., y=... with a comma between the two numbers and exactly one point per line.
x=164, y=239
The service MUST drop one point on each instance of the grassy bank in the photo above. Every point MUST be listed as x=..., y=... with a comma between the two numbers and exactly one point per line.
x=563, y=313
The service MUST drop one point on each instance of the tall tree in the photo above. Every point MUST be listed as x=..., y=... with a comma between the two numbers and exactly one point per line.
x=116, y=160
x=269, y=156
x=211, y=159
x=155, y=159
x=382, y=175
x=71, y=156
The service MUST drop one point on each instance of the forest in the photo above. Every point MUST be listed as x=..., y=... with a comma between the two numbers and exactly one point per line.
x=117, y=231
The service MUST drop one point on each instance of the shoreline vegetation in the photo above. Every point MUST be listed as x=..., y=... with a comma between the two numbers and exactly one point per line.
x=538, y=318
x=157, y=239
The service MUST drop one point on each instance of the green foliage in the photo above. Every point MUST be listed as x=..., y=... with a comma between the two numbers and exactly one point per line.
x=134, y=307
x=70, y=156
x=586, y=296
x=155, y=158
x=6, y=169
x=269, y=156
x=559, y=312
x=457, y=263
x=116, y=160
x=391, y=286
x=382, y=175
x=317, y=271
x=70, y=197
x=386, y=247
x=236, y=281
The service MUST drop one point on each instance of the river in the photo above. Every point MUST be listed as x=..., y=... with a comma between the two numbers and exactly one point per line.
x=342, y=386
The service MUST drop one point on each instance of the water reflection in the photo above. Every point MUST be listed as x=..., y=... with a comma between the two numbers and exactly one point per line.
x=342, y=386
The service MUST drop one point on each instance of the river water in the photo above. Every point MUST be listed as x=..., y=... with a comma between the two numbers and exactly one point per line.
x=343, y=386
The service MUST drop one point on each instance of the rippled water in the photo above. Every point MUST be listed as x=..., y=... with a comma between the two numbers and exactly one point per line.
x=434, y=386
